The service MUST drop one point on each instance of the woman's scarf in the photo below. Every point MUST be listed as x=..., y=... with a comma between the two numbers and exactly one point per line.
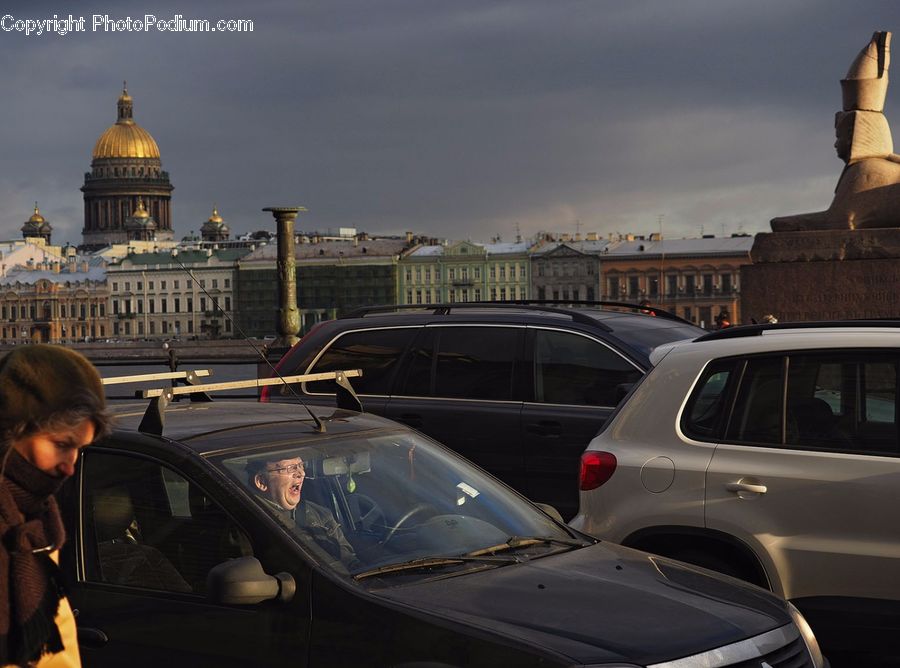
x=30, y=529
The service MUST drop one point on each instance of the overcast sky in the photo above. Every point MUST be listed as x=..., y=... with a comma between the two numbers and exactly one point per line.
x=454, y=118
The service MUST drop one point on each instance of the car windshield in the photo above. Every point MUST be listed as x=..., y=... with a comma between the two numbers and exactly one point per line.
x=361, y=503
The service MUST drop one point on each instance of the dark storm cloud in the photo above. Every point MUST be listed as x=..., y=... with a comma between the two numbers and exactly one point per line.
x=459, y=119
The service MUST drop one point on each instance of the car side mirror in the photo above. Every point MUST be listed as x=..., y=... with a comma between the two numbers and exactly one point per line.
x=551, y=511
x=243, y=581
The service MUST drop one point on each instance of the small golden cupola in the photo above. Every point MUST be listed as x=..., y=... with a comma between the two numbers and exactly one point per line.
x=140, y=226
x=215, y=229
x=37, y=226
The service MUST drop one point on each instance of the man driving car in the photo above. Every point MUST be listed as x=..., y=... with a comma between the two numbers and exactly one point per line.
x=279, y=484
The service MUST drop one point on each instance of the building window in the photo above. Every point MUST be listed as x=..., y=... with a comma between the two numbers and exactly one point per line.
x=203, y=304
x=418, y=296
x=140, y=286
x=115, y=306
x=116, y=286
x=672, y=285
x=452, y=273
x=726, y=284
x=203, y=283
x=177, y=284
x=177, y=305
x=409, y=298
x=477, y=273
x=428, y=274
x=408, y=275
x=102, y=311
x=522, y=271
x=418, y=274
x=493, y=273
x=190, y=326
x=613, y=287
x=228, y=303
x=140, y=305
x=127, y=286
x=503, y=272
x=215, y=283
x=634, y=286
x=152, y=305
x=164, y=305
x=163, y=284
x=227, y=283
x=502, y=294
x=190, y=304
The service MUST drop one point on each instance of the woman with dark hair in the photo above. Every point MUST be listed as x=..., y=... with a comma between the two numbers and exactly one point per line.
x=51, y=406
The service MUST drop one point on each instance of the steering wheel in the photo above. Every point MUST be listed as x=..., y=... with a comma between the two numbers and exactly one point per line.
x=417, y=509
x=370, y=513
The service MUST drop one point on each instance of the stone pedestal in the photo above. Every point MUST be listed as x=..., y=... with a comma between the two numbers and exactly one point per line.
x=823, y=275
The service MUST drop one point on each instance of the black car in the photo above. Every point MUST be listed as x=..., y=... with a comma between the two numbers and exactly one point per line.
x=178, y=556
x=520, y=389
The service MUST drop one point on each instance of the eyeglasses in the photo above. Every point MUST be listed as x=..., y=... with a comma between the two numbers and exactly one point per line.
x=293, y=469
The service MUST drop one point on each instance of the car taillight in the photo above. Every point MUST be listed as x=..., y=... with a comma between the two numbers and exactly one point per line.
x=596, y=469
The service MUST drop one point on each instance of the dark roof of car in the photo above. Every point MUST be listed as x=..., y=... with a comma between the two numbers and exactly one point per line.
x=217, y=426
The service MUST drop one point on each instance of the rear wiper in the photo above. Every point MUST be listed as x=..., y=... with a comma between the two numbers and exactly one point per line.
x=516, y=542
x=431, y=562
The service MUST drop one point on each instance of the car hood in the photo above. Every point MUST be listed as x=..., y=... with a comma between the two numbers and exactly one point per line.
x=602, y=603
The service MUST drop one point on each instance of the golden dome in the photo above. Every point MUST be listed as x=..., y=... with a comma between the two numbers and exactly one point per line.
x=215, y=217
x=125, y=139
x=140, y=211
x=36, y=217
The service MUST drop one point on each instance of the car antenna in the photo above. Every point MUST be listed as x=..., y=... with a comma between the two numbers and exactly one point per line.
x=320, y=424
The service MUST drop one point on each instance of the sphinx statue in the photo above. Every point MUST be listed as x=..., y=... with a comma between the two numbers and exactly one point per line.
x=867, y=194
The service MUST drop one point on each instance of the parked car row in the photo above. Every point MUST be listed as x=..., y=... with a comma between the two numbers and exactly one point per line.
x=763, y=453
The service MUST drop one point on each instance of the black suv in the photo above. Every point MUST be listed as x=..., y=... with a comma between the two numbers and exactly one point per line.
x=519, y=388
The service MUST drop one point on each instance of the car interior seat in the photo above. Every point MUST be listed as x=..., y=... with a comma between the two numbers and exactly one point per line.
x=123, y=559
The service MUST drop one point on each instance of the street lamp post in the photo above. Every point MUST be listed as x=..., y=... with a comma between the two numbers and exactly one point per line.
x=288, y=314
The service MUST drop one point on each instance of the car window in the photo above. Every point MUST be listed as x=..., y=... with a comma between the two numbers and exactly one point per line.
x=463, y=362
x=375, y=351
x=759, y=408
x=573, y=369
x=707, y=409
x=147, y=526
x=844, y=401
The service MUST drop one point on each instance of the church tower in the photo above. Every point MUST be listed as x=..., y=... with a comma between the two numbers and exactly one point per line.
x=36, y=226
x=126, y=176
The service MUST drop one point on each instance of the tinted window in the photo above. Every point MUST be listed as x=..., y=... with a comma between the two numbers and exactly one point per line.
x=843, y=401
x=463, y=362
x=148, y=527
x=572, y=369
x=760, y=404
x=375, y=351
x=707, y=409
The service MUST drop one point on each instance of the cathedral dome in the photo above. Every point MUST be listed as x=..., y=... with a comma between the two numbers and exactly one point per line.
x=125, y=139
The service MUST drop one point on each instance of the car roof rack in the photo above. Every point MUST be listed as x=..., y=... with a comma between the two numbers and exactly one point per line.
x=154, y=417
x=541, y=305
x=739, y=331
x=187, y=376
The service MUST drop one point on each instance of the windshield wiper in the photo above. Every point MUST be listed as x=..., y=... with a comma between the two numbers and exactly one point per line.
x=516, y=542
x=431, y=562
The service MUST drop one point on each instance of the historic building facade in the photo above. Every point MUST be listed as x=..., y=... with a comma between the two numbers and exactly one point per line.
x=334, y=277
x=465, y=272
x=567, y=271
x=54, y=302
x=694, y=278
x=177, y=293
x=126, y=177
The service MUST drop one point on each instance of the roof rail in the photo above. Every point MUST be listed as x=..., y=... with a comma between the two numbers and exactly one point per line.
x=154, y=417
x=168, y=375
x=543, y=305
x=739, y=331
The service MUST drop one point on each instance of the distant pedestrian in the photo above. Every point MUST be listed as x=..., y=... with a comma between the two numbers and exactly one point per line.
x=51, y=406
x=646, y=308
x=723, y=320
x=769, y=319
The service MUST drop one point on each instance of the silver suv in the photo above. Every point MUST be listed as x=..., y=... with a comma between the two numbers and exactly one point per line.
x=770, y=453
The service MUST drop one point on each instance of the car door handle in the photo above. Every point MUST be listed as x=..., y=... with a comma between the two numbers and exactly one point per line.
x=545, y=428
x=742, y=486
x=90, y=637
